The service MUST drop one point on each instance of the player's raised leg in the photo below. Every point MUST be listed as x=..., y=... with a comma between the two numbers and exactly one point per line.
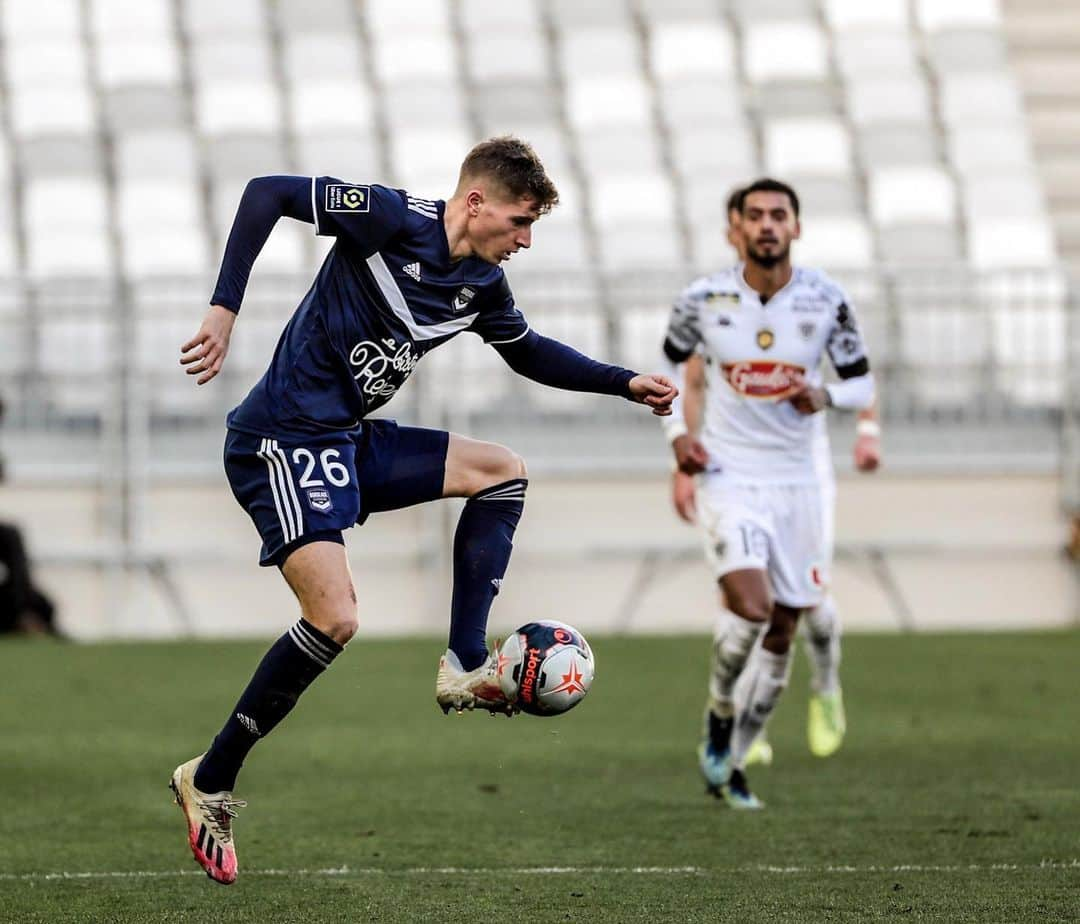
x=319, y=576
x=738, y=628
x=826, y=721
x=493, y=478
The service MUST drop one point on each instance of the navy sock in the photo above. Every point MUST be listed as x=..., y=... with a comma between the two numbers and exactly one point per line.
x=286, y=670
x=482, y=545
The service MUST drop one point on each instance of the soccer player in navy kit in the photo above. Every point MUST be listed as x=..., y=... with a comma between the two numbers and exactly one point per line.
x=404, y=276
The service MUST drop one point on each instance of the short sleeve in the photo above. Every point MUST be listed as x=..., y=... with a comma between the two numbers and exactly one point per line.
x=684, y=328
x=500, y=320
x=367, y=216
x=846, y=346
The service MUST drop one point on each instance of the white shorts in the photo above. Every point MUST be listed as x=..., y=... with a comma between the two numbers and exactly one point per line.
x=780, y=529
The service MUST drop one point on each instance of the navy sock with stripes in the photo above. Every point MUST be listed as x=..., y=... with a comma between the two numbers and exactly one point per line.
x=286, y=670
x=482, y=545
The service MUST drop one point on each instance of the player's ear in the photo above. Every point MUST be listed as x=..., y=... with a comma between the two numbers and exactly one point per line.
x=798, y=230
x=474, y=201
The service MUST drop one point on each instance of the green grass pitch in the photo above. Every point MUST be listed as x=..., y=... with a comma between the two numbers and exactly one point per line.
x=955, y=797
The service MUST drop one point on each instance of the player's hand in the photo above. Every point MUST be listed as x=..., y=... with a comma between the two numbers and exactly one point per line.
x=809, y=399
x=690, y=456
x=684, y=496
x=204, y=353
x=656, y=391
x=867, y=453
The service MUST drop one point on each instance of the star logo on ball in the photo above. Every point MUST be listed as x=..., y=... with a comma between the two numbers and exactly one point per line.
x=571, y=682
x=503, y=661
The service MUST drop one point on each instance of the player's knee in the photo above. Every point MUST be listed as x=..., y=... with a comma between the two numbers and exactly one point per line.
x=754, y=607
x=500, y=464
x=780, y=634
x=336, y=617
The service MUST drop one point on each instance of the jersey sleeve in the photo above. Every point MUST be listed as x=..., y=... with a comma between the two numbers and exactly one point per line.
x=846, y=346
x=366, y=216
x=684, y=327
x=500, y=320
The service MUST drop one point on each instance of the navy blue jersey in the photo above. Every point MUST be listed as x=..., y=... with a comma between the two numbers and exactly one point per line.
x=386, y=294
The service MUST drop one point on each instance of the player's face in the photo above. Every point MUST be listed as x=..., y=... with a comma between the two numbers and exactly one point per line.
x=768, y=226
x=501, y=227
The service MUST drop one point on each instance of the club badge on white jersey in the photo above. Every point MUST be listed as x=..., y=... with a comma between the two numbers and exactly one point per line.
x=755, y=355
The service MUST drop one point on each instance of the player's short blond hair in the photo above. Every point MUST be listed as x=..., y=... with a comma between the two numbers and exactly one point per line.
x=511, y=164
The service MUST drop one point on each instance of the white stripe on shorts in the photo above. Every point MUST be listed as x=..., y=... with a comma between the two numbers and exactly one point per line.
x=297, y=509
x=276, y=488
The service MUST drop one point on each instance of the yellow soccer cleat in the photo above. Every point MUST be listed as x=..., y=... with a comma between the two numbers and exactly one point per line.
x=760, y=752
x=826, y=723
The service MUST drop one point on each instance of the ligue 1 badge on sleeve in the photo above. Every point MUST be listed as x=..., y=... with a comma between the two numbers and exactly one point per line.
x=343, y=198
x=765, y=338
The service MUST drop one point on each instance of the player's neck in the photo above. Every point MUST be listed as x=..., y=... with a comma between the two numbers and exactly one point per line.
x=767, y=280
x=455, y=219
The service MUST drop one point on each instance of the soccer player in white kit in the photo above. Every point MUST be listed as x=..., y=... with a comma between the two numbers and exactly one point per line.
x=763, y=328
x=826, y=722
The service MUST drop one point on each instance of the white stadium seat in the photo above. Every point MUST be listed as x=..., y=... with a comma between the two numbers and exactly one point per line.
x=727, y=148
x=138, y=61
x=506, y=55
x=691, y=49
x=912, y=194
x=44, y=62
x=881, y=52
x=344, y=105
x=619, y=197
x=600, y=51
x=130, y=19
x=820, y=145
x=498, y=16
x=599, y=101
x=40, y=19
x=237, y=18
x=54, y=253
x=785, y=50
x=166, y=250
x=1011, y=243
x=980, y=97
x=160, y=155
x=220, y=60
x=1004, y=194
x=389, y=17
x=415, y=56
x=945, y=14
x=848, y=14
x=237, y=106
x=143, y=205
x=426, y=162
x=315, y=57
x=835, y=243
x=889, y=99
x=701, y=103
x=994, y=145
x=351, y=156
x=318, y=16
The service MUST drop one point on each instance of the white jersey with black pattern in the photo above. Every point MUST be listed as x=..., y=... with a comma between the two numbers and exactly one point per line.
x=754, y=354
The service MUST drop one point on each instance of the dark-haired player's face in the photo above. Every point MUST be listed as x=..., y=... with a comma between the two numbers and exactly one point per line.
x=502, y=227
x=768, y=226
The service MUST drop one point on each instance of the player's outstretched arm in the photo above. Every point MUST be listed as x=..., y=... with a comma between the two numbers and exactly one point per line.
x=205, y=353
x=552, y=363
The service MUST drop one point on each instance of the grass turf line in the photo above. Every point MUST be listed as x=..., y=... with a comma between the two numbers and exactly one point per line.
x=961, y=753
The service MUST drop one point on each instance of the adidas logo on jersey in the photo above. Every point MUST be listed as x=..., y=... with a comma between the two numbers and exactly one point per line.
x=412, y=269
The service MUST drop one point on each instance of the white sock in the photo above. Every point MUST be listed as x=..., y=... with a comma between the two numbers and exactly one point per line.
x=823, y=646
x=733, y=640
x=769, y=677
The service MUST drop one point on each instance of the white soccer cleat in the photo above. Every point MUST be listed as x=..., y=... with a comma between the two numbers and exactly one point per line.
x=209, y=818
x=459, y=689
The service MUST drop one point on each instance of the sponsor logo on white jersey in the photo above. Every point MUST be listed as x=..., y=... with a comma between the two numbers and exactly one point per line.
x=763, y=378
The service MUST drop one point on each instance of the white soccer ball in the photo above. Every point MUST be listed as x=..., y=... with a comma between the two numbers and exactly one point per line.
x=546, y=668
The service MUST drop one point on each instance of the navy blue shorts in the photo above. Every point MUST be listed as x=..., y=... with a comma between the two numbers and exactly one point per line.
x=308, y=489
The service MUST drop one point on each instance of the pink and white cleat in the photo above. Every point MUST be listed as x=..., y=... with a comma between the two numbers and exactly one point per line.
x=459, y=689
x=209, y=817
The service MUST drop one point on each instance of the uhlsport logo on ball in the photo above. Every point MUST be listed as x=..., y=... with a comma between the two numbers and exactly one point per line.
x=546, y=668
